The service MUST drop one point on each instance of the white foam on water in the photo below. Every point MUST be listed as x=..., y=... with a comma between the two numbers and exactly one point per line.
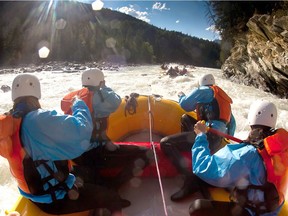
x=145, y=80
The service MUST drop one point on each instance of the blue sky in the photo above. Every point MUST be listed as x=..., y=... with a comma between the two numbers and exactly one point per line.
x=188, y=17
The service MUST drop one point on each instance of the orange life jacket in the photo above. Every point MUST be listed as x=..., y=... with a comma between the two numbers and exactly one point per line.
x=218, y=109
x=84, y=94
x=87, y=96
x=274, y=155
x=22, y=167
x=11, y=148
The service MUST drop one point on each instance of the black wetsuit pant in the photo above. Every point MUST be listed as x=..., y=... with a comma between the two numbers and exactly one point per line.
x=173, y=145
x=129, y=160
x=90, y=197
x=203, y=207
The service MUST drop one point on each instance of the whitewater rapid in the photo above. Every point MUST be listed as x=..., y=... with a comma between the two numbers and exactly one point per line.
x=146, y=80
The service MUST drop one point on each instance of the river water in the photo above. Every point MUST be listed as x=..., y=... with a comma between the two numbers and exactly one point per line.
x=145, y=80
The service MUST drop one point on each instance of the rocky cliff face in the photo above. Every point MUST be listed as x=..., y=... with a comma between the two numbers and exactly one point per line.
x=260, y=56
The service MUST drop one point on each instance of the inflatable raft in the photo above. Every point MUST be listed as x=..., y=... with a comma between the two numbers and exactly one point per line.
x=144, y=120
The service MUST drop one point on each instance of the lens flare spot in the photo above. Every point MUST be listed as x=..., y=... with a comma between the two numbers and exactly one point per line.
x=135, y=182
x=60, y=24
x=110, y=42
x=43, y=52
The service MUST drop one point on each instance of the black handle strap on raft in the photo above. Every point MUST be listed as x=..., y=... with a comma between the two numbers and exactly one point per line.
x=131, y=103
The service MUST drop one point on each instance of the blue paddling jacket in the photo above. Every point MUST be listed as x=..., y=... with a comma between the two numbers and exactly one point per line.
x=234, y=165
x=49, y=136
x=206, y=95
x=105, y=102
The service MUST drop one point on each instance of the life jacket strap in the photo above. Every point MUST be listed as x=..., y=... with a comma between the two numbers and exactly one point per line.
x=59, y=176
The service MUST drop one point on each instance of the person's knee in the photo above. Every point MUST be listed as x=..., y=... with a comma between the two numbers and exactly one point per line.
x=165, y=145
x=187, y=123
x=184, y=118
x=163, y=141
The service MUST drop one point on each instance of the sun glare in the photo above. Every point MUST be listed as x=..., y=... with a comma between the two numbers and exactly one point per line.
x=97, y=5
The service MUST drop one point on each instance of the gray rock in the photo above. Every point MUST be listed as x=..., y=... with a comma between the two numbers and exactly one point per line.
x=5, y=88
x=260, y=56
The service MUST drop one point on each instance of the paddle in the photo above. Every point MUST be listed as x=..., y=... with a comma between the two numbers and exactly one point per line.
x=220, y=133
x=212, y=130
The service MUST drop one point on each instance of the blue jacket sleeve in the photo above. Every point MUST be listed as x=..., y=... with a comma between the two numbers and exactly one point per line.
x=203, y=94
x=234, y=164
x=53, y=136
x=109, y=105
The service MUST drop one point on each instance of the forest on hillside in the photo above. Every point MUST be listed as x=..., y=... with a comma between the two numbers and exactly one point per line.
x=74, y=32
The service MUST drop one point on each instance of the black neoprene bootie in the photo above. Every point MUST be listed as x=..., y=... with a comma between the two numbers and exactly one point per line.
x=188, y=188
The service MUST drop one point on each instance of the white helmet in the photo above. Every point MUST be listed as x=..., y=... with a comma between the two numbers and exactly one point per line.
x=262, y=113
x=92, y=77
x=26, y=85
x=206, y=80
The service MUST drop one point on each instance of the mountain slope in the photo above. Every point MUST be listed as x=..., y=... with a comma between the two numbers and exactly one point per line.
x=74, y=32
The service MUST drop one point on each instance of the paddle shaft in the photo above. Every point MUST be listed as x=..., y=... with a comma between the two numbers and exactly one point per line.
x=212, y=130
